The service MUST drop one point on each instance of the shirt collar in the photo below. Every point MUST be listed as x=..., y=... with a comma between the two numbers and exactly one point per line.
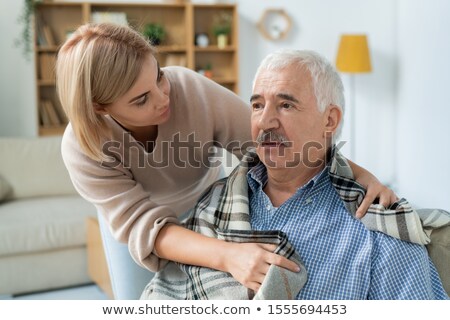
x=257, y=177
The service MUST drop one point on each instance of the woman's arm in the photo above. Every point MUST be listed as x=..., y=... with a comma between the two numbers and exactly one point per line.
x=375, y=189
x=144, y=225
x=248, y=263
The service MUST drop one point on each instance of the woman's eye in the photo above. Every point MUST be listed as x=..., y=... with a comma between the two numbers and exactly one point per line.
x=142, y=101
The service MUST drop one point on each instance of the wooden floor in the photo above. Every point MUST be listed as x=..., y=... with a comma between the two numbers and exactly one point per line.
x=89, y=292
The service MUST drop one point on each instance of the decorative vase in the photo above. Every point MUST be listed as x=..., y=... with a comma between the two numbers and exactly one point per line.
x=222, y=41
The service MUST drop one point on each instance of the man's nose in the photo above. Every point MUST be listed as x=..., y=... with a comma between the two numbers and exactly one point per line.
x=268, y=119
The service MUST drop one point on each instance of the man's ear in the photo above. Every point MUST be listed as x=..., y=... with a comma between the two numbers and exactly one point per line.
x=332, y=118
x=100, y=109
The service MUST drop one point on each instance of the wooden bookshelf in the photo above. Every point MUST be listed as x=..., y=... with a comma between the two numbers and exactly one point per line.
x=182, y=21
x=57, y=19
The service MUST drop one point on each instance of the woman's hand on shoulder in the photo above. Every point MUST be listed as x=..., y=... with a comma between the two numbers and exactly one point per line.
x=375, y=190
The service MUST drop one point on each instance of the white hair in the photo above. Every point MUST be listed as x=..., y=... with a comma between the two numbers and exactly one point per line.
x=327, y=84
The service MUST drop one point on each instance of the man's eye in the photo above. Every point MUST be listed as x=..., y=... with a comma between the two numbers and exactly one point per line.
x=286, y=106
x=257, y=106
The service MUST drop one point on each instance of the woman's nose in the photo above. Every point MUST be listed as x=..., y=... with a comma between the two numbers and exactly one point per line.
x=163, y=96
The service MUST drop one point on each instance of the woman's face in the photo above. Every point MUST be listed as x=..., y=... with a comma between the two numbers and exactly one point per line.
x=147, y=101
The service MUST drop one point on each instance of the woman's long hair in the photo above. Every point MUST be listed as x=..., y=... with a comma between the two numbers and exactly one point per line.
x=98, y=64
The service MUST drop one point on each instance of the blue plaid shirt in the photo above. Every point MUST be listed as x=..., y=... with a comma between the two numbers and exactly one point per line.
x=344, y=260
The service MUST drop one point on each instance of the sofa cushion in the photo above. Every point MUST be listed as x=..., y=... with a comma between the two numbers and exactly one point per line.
x=38, y=224
x=5, y=188
x=34, y=167
x=43, y=271
x=439, y=251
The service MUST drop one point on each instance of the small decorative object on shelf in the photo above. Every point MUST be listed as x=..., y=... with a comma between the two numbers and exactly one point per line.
x=222, y=28
x=111, y=17
x=207, y=71
x=69, y=33
x=155, y=32
x=201, y=40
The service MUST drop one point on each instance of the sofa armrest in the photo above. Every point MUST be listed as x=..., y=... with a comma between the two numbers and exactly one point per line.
x=34, y=167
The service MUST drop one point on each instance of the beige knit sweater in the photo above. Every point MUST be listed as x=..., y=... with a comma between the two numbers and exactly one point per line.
x=139, y=192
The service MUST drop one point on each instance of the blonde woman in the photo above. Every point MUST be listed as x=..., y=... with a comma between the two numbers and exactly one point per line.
x=138, y=146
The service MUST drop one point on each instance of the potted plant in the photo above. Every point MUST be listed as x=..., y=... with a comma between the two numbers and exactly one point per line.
x=222, y=28
x=26, y=38
x=208, y=71
x=155, y=32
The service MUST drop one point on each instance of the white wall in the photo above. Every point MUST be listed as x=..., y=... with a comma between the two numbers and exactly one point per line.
x=424, y=83
x=18, y=115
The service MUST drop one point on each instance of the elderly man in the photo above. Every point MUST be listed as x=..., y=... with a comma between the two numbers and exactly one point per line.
x=297, y=184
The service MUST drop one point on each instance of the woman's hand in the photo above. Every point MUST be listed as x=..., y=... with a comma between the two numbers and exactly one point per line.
x=375, y=189
x=249, y=263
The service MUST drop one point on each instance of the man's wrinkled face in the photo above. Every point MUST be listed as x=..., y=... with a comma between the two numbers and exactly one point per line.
x=286, y=123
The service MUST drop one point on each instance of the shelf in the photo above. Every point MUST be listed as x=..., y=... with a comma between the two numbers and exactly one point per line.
x=215, y=49
x=52, y=131
x=45, y=83
x=47, y=48
x=142, y=5
x=224, y=80
x=60, y=4
x=219, y=6
x=163, y=49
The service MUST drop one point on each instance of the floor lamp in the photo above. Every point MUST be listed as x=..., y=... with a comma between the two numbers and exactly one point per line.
x=353, y=57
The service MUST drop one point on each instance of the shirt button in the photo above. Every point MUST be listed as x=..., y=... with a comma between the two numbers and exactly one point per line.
x=268, y=207
x=308, y=201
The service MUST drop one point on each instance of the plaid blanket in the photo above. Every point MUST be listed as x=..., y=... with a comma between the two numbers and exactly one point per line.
x=223, y=213
x=399, y=220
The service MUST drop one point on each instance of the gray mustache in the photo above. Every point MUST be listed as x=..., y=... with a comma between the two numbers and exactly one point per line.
x=272, y=136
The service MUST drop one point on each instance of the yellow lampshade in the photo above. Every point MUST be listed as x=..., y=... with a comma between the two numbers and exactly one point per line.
x=353, y=54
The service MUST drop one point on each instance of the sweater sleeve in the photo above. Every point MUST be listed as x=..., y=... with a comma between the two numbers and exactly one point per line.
x=217, y=109
x=132, y=216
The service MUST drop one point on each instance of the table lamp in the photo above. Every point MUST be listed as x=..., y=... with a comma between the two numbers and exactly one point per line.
x=353, y=57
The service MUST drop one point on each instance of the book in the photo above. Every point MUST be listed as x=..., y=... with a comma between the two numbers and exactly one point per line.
x=44, y=33
x=52, y=113
x=61, y=113
x=176, y=60
x=43, y=66
x=43, y=115
x=48, y=35
x=39, y=32
x=47, y=63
